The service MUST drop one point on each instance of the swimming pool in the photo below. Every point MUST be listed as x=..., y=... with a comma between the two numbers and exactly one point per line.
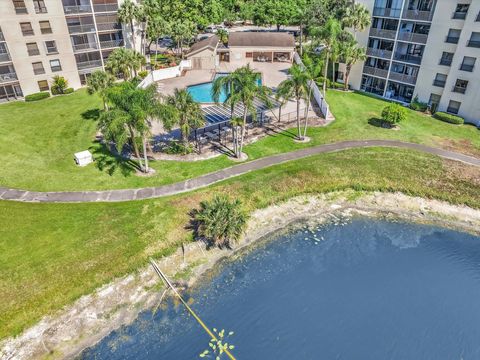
x=202, y=93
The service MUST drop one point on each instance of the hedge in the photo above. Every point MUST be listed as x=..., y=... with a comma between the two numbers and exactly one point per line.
x=68, y=91
x=452, y=119
x=37, y=96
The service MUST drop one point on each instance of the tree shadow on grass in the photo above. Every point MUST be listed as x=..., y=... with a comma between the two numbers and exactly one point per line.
x=273, y=130
x=91, y=114
x=108, y=160
x=377, y=122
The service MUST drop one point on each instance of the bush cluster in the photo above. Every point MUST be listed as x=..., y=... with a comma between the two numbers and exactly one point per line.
x=393, y=114
x=450, y=118
x=418, y=105
x=37, y=96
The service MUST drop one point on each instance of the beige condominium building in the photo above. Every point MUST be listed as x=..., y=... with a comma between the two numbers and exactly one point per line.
x=424, y=48
x=43, y=38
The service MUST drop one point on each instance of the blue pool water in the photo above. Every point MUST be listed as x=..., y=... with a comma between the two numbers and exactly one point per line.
x=370, y=289
x=202, y=93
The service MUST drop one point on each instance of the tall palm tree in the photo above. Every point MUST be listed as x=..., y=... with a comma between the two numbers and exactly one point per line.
x=185, y=112
x=137, y=61
x=127, y=13
x=328, y=36
x=119, y=62
x=98, y=83
x=357, y=17
x=350, y=53
x=295, y=87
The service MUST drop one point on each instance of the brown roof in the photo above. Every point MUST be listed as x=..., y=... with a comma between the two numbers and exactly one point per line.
x=264, y=39
x=208, y=43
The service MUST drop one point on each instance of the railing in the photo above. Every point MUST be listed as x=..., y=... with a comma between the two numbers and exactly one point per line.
x=413, y=37
x=89, y=64
x=8, y=77
x=5, y=57
x=317, y=94
x=381, y=33
x=474, y=43
x=459, y=89
x=459, y=15
x=85, y=46
x=445, y=62
x=386, y=12
x=466, y=67
x=414, y=59
x=105, y=7
x=162, y=74
x=452, y=39
x=418, y=15
x=111, y=43
x=409, y=79
x=76, y=9
x=375, y=71
x=108, y=26
x=384, y=54
x=75, y=29
x=439, y=83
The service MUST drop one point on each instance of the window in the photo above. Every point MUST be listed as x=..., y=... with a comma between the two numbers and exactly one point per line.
x=461, y=11
x=32, y=49
x=249, y=55
x=446, y=59
x=43, y=85
x=55, y=65
x=468, y=63
x=51, y=47
x=38, y=68
x=460, y=86
x=453, y=36
x=433, y=102
x=20, y=7
x=40, y=7
x=440, y=80
x=45, y=27
x=26, y=29
x=453, y=107
x=474, y=40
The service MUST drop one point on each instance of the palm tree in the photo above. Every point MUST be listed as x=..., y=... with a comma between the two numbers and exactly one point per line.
x=127, y=13
x=351, y=53
x=119, y=62
x=295, y=87
x=357, y=17
x=98, y=83
x=185, y=112
x=136, y=62
x=328, y=35
x=313, y=70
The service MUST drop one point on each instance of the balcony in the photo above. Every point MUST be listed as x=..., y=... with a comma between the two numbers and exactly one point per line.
x=414, y=59
x=5, y=57
x=452, y=39
x=466, y=67
x=459, y=89
x=369, y=70
x=409, y=79
x=386, y=12
x=77, y=9
x=381, y=33
x=8, y=77
x=89, y=64
x=413, y=37
x=108, y=26
x=474, y=43
x=77, y=29
x=459, y=15
x=105, y=7
x=439, y=83
x=111, y=43
x=85, y=47
x=384, y=54
x=418, y=15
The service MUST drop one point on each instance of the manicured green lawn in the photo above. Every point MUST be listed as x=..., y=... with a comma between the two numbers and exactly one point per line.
x=51, y=254
x=38, y=140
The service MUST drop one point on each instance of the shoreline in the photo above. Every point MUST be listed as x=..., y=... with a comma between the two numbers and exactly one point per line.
x=92, y=317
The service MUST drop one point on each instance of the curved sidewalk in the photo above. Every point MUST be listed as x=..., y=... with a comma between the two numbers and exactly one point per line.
x=211, y=178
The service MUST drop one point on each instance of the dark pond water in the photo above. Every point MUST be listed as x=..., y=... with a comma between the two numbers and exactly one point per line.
x=370, y=289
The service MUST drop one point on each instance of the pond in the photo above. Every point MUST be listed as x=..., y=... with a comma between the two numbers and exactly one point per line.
x=367, y=289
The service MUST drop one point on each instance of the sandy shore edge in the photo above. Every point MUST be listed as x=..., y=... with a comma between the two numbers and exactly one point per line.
x=94, y=316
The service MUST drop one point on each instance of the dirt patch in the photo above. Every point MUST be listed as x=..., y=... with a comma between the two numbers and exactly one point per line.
x=463, y=146
x=469, y=173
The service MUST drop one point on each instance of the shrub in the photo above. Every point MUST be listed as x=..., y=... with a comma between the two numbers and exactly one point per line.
x=37, y=96
x=393, y=114
x=221, y=221
x=68, y=91
x=142, y=74
x=418, y=105
x=178, y=148
x=59, y=85
x=450, y=118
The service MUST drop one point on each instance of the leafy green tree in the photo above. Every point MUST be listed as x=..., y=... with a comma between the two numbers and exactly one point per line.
x=124, y=61
x=221, y=221
x=59, y=85
x=393, y=114
x=223, y=35
x=185, y=113
x=357, y=17
x=98, y=83
x=182, y=32
x=127, y=13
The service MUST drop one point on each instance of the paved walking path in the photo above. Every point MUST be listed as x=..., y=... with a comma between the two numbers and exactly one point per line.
x=208, y=179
